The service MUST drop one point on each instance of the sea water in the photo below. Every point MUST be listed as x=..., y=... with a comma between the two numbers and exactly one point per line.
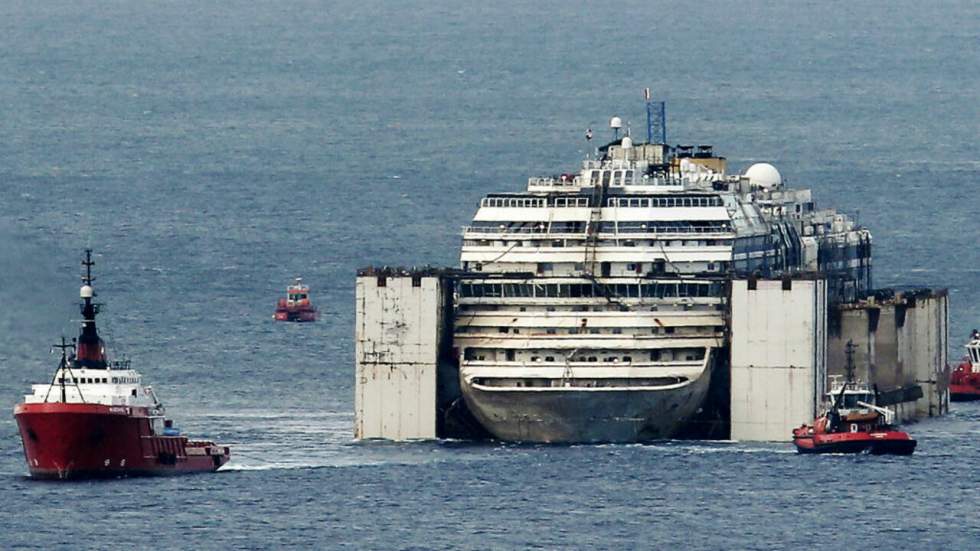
x=209, y=152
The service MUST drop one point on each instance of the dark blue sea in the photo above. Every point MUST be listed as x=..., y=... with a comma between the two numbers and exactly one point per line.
x=211, y=151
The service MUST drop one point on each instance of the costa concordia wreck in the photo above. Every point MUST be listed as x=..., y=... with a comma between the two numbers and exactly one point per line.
x=651, y=294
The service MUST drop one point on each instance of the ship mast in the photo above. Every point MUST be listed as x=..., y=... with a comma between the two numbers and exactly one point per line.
x=63, y=367
x=89, y=351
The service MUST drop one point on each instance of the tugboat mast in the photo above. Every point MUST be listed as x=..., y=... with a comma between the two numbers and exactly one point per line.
x=89, y=351
x=63, y=366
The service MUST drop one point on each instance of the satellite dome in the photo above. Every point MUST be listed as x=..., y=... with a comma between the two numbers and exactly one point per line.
x=764, y=175
x=86, y=291
x=627, y=142
x=615, y=122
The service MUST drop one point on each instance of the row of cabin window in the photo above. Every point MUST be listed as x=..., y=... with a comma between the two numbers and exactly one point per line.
x=576, y=242
x=587, y=290
x=668, y=201
x=639, y=226
x=578, y=202
x=666, y=226
x=524, y=202
x=572, y=330
x=96, y=380
x=512, y=202
x=618, y=202
x=611, y=177
x=655, y=356
x=751, y=244
x=528, y=227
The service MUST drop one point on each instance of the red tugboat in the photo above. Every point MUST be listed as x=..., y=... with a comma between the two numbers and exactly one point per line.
x=95, y=419
x=853, y=424
x=296, y=306
x=964, y=382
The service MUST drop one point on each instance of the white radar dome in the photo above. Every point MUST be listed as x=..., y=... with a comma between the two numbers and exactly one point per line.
x=627, y=142
x=764, y=175
x=615, y=122
x=86, y=291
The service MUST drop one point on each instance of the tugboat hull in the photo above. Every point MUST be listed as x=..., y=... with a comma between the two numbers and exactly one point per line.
x=76, y=441
x=967, y=394
x=295, y=315
x=875, y=443
x=964, y=386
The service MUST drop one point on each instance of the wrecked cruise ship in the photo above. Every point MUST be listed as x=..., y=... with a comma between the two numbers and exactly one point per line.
x=595, y=306
x=608, y=314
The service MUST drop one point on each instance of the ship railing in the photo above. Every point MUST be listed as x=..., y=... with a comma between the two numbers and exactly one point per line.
x=548, y=182
x=594, y=365
x=661, y=230
x=485, y=229
x=650, y=232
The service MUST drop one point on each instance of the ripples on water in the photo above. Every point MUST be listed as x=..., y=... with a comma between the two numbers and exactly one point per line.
x=210, y=152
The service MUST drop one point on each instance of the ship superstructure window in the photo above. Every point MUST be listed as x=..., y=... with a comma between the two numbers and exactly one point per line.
x=568, y=227
x=665, y=201
x=577, y=202
x=512, y=202
x=588, y=290
x=508, y=227
x=666, y=226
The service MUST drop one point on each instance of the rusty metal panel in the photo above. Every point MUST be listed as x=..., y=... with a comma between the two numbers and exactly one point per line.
x=778, y=364
x=397, y=333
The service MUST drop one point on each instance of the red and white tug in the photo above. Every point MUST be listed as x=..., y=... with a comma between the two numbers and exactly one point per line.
x=96, y=419
x=296, y=306
x=853, y=424
x=964, y=382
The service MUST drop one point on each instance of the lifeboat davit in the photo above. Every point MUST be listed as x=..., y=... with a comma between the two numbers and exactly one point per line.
x=964, y=382
x=853, y=424
x=296, y=306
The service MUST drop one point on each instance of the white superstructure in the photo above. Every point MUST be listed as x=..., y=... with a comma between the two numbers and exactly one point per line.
x=119, y=386
x=598, y=301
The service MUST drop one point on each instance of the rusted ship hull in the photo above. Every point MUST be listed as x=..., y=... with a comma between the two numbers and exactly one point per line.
x=569, y=415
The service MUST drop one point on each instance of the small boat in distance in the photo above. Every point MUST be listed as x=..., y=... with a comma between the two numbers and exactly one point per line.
x=853, y=423
x=296, y=306
x=964, y=382
x=96, y=419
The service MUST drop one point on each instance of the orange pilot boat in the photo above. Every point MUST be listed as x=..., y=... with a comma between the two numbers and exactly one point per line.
x=853, y=424
x=964, y=381
x=96, y=419
x=296, y=306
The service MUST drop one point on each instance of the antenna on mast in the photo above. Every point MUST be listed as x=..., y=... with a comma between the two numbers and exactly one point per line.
x=63, y=366
x=87, y=279
x=656, y=119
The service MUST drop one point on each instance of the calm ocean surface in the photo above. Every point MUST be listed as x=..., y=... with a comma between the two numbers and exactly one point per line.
x=210, y=151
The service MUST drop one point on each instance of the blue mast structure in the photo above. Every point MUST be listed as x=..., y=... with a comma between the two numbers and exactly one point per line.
x=661, y=119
